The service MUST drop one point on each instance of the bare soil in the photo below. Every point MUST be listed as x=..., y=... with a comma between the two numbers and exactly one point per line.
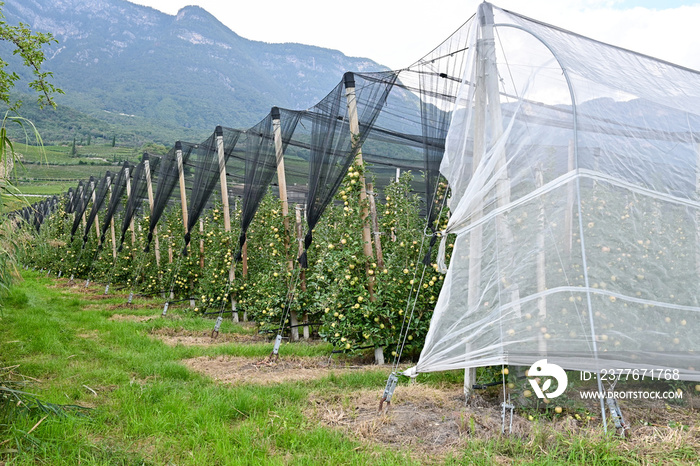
x=181, y=336
x=239, y=370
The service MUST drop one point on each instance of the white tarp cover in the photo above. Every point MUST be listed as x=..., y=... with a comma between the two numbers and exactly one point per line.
x=575, y=200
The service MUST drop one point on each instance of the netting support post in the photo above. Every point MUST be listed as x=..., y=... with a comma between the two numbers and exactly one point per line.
x=302, y=272
x=183, y=190
x=92, y=187
x=222, y=177
x=96, y=222
x=219, y=132
x=375, y=226
x=282, y=184
x=354, y=122
x=111, y=227
x=151, y=202
x=281, y=178
x=476, y=235
x=127, y=174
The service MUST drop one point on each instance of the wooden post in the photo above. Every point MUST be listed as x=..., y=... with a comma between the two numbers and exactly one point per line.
x=97, y=222
x=82, y=196
x=300, y=250
x=111, y=227
x=486, y=55
x=131, y=224
x=151, y=203
x=476, y=235
x=282, y=184
x=183, y=191
x=375, y=227
x=281, y=179
x=354, y=123
x=220, y=151
x=222, y=177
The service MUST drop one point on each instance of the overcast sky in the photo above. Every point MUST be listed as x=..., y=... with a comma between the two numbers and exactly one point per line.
x=397, y=33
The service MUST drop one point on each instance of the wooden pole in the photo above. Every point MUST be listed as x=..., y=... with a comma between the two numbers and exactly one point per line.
x=349, y=80
x=282, y=184
x=131, y=223
x=96, y=221
x=300, y=250
x=281, y=179
x=486, y=53
x=183, y=190
x=354, y=123
x=375, y=227
x=220, y=151
x=476, y=235
x=222, y=177
x=151, y=204
x=111, y=227
x=82, y=195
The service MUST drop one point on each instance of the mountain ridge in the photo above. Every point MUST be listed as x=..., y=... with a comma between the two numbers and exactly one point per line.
x=186, y=70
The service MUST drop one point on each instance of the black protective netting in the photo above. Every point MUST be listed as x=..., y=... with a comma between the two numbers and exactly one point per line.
x=118, y=188
x=139, y=189
x=261, y=162
x=69, y=201
x=39, y=211
x=97, y=203
x=332, y=146
x=82, y=199
x=207, y=171
x=76, y=198
x=168, y=177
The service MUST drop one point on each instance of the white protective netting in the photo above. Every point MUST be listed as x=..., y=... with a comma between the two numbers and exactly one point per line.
x=575, y=200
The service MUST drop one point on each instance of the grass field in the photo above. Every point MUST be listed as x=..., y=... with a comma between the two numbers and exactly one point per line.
x=52, y=170
x=161, y=391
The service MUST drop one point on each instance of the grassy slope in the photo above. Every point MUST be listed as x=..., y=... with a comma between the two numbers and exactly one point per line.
x=151, y=409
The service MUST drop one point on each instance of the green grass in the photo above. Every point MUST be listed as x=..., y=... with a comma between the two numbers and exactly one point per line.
x=53, y=170
x=151, y=409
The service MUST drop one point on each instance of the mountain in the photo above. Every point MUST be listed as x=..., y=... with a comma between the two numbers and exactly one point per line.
x=128, y=64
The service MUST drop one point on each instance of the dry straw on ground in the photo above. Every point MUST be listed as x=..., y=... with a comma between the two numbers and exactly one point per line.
x=262, y=371
x=432, y=423
x=181, y=336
